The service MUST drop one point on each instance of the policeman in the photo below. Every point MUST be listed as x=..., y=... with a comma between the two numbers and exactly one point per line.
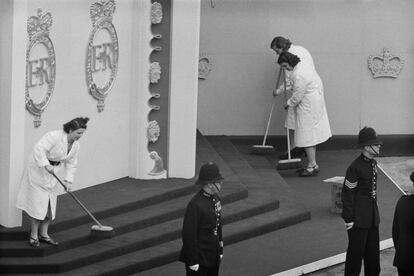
x=360, y=209
x=403, y=234
x=202, y=238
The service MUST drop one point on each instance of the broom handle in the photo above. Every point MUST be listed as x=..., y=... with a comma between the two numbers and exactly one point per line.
x=76, y=199
x=286, y=99
x=271, y=109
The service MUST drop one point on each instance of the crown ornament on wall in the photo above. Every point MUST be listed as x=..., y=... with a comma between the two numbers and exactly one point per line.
x=39, y=24
x=104, y=9
x=387, y=65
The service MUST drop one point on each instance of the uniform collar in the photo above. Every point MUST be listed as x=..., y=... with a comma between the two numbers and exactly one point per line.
x=366, y=159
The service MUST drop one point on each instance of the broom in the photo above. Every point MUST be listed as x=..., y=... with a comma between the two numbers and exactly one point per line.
x=98, y=230
x=263, y=148
x=288, y=164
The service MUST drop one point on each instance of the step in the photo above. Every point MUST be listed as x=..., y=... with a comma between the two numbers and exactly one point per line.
x=168, y=252
x=128, y=242
x=135, y=194
x=123, y=223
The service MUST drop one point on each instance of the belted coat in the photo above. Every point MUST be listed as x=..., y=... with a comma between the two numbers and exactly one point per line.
x=38, y=187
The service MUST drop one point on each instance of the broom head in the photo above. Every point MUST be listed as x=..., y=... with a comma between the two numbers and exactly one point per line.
x=289, y=164
x=263, y=149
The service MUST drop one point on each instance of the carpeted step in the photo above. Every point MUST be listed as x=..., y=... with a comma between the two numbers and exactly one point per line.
x=129, y=242
x=165, y=253
x=99, y=200
x=123, y=223
x=207, y=153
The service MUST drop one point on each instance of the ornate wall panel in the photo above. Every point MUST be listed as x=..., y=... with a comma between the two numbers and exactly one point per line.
x=102, y=51
x=157, y=129
x=40, y=65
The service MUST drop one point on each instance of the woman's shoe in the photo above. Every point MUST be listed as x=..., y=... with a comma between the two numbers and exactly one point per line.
x=34, y=242
x=309, y=171
x=48, y=240
x=316, y=168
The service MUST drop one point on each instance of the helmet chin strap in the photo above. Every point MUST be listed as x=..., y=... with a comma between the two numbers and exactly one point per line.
x=216, y=187
x=376, y=153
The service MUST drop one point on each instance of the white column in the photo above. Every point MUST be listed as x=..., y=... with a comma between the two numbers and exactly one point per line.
x=185, y=38
x=140, y=162
x=13, y=18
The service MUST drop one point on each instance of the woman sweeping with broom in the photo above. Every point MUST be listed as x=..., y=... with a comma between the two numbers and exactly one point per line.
x=56, y=152
x=312, y=124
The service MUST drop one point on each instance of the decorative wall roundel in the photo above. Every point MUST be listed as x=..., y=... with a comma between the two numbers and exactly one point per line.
x=102, y=52
x=40, y=64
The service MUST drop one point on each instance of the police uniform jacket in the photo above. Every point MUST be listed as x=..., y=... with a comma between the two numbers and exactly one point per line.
x=202, y=231
x=403, y=233
x=359, y=193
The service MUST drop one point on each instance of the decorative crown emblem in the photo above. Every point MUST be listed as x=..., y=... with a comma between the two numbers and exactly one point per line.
x=39, y=24
x=387, y=65
x=102, y=9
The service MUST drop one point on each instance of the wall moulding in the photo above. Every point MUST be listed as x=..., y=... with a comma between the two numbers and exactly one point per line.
x=155, y=72
x=386, y=65
x=204, y=66
x=156, y=13
x=40, y=68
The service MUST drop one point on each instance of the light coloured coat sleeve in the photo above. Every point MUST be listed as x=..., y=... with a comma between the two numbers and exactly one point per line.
x=42, y=147
x=298, y=90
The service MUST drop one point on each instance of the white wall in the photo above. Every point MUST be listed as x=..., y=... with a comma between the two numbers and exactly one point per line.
x=236, y=96
x=115, y=143
x=104, y=151
x=12, y=67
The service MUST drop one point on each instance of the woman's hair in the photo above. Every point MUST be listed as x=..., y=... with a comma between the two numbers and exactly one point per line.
x=74, y=124
x=289, y=58
x=281, y=43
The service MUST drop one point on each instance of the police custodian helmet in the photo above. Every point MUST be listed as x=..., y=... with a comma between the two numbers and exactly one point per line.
x=368, y=137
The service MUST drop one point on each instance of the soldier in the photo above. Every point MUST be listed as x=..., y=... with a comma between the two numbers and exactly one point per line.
x=202, y=249
x=360, y=209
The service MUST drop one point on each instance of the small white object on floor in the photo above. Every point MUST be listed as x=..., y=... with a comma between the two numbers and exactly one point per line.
x=335, y=179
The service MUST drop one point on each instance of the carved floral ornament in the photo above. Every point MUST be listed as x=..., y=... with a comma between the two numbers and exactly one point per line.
x=156, y=13
x=102, y=54
x=153, y=131
x=155, y=72
x=204, y=66
x=158, y=169
x=387, y=65
x=40, y=70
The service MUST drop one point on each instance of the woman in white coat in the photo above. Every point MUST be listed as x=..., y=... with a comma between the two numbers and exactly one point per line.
x=312, y=124
x=280, y=44
x=57, y=152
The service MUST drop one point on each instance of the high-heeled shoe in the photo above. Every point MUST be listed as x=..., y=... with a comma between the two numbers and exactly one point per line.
x=48, y=240
x=309, y=171
x=34, y=242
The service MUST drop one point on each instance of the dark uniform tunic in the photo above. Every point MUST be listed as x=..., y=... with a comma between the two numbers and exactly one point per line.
x=359, y=199
x=403, y=235
x=202, y=231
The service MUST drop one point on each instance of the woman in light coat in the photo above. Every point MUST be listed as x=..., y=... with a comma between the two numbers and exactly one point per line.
x=280, y=44
x=312, y=124
x=56, y=152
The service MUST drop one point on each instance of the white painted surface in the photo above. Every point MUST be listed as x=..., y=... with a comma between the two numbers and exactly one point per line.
x=183, y=94
x=236, y=96
x=12, y=68
x=324, y=263
x=115, y=143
